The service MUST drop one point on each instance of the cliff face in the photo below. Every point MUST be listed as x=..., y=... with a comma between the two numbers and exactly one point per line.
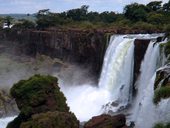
x=83, y=47
x=139, y=52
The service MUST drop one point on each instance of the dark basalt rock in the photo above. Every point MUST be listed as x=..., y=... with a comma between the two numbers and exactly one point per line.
x=106, y=121
x=139, y=53
x=85, y=47
x=39, y=98
x=80, y=46
x=162, y=84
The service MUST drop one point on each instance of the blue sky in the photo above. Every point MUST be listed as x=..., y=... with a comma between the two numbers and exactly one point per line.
x=32, y=6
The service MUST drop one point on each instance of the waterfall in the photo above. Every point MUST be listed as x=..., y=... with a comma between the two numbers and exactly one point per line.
x=144, y=113
x=143, y=103
x=114, y=90
x=114, y=85
x=118, y=62
x=5, y=121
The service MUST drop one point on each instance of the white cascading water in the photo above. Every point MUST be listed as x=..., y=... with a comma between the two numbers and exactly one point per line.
x=143, y=104
x=114, y=86
x=118, y=62
x=5, y=121
x=144, y=113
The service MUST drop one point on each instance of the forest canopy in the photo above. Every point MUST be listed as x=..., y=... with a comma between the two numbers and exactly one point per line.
x=154, y=15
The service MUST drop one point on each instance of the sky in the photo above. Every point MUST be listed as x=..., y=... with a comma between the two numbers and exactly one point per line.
x=32, y=6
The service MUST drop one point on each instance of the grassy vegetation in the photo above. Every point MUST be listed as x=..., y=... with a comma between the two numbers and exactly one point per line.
x=161, y=125
x=162, y=93
x=167, y=48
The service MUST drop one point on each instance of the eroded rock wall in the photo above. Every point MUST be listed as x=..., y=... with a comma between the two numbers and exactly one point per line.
x=83, y=47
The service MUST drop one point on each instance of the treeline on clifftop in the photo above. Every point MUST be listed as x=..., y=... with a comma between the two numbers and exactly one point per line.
x=154, y=15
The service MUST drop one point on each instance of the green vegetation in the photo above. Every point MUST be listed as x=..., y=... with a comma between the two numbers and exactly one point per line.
x=38, y=94
x=36, y=90
x=161, y=125
x=54, y=119
x=24, y=24
x=167, y=48
x=162, y=93
x=153, y=16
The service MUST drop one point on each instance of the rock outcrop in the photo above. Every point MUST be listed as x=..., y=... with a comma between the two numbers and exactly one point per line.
x=41, y=104
x=85, y=47
x=162, y=81
x=162, y=84
x=139, y=53
x=7, y=105
x=107, y=121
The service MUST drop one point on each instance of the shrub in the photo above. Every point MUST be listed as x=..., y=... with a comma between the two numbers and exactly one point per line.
x=163, y=92
x=167, y=48
x=38, y=94
x=144, y=26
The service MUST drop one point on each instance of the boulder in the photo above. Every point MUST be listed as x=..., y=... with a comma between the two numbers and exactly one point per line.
x=107, y=121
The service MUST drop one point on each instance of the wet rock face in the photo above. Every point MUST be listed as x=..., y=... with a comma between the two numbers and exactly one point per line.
x=139, y=53
x=39, y=99
x=107, y=121
x=79, y=46
x=162, y=75
x=7, y=105
x=162, y=84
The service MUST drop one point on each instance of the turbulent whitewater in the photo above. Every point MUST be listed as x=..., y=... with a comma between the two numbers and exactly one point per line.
x=114, y=91
x=114, y=85
x=4, y=121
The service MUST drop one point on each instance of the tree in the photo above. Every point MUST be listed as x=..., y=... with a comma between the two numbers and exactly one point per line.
x=108, y=17
x=93, y=17
x=78, y=14
x=8, y=20
x=25, y=24
x=166, y=6
x=155, y=5
x=155, y=18
x=136, y=12
x=47, y=19
x=44, y=12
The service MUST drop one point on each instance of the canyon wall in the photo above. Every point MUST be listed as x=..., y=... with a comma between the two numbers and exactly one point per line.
x=84, y=47
x=73, y=46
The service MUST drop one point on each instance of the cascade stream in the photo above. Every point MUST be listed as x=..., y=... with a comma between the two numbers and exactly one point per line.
x=114, y=91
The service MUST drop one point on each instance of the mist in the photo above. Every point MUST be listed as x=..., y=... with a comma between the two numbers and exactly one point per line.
x=77, y=82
